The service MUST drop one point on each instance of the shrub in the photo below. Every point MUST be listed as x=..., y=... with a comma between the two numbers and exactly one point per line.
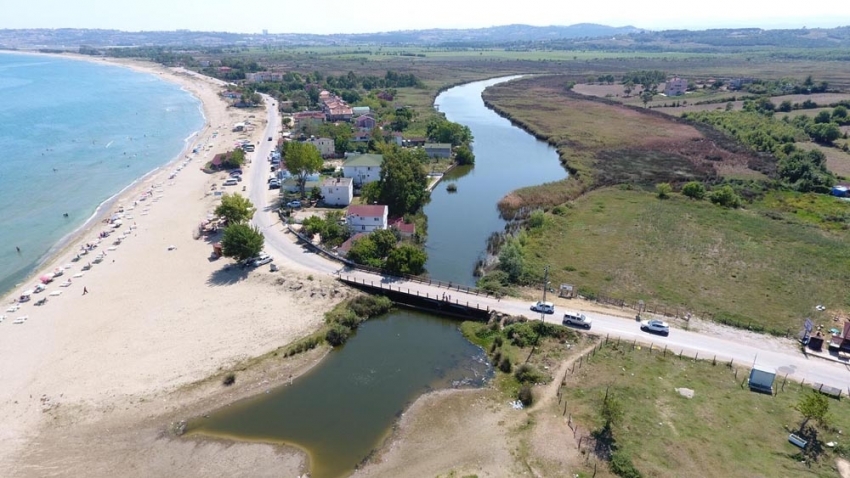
x=694, y=190
x=725, y=197
x=525, y=396
x=370, y=305
x=663, y=190
x=525, y=373
x=621, y=465
x=229, y=379
x=337, y=335
x=505, y=364
x=536, y=219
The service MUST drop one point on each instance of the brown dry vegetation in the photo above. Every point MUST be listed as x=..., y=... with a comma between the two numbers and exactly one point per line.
x=604, y=143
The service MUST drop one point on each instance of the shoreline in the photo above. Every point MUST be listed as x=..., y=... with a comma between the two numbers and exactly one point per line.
x=154, y=327
x=100, y=211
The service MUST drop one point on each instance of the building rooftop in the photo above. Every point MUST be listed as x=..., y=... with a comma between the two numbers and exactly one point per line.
x=346, y=246
x=376, y=210
x=331, y=182
x=365, y=160
x=438, y=145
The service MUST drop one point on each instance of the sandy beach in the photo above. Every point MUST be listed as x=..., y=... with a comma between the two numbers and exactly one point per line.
x=87, y=377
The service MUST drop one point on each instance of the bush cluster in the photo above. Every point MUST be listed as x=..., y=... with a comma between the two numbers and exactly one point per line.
x=346, y=317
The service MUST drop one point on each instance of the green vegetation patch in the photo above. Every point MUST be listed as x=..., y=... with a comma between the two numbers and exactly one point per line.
x=755, y=268
x=724, y=430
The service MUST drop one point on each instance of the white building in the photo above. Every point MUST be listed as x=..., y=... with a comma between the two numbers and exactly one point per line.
x=676, y=87
x=363, y=168
x=262, y=76
x=324, y=145
x=366, y=218
x=338, y=191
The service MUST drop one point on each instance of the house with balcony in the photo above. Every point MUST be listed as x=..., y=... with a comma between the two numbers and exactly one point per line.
x=363, y=168
x=366, y=218
x=337, y=191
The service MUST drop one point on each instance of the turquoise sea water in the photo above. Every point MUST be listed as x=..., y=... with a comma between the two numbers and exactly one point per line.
x=72, y=135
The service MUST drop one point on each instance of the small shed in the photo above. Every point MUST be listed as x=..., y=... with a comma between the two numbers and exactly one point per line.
x=761, y=380
x=567, y=291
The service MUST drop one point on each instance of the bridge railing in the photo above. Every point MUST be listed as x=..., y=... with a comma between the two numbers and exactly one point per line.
x=374, y=270
x=451, y=301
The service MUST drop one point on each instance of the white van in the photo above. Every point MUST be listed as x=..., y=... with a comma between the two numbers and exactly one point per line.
x=577, y=318
x=231, y=182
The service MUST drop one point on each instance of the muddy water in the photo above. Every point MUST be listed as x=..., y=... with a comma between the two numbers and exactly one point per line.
x=344, y=408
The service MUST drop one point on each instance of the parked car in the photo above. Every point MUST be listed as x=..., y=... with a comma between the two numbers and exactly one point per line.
x=543, y=307
x=262, y=259
x=231, y=182
x=655, y=326
x=294, y=204
x=577, y=319
x=236, y=172
x=274, y=184
x=270, y=138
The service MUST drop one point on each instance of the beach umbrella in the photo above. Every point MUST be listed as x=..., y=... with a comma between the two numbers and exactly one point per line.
x=46, y=278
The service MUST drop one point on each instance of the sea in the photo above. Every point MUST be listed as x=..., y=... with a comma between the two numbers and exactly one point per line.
x=73, y=134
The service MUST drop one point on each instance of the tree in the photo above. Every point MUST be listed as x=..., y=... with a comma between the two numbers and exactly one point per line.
x=241, y=241
x=287, y=121
x=364, y=251
x=611, y=412
x=511, y=260
x=406, y=259
x=839, y=113
x=302, y=160
x=233, y=159
x=785, y=106
x=236, y=208
x=384, y=240
x=403, y=182
x=646, y=96
x=663, y=190
x=441, y=130
x=805, y=170
x=464, y=155
x=813, y=406
x=824, y=133
x=823, y=117
x=694, y=190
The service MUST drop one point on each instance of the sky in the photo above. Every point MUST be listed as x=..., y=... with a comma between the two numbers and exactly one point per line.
x=364, y=16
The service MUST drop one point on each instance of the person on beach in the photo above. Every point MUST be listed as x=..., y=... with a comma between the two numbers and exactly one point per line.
x=85, y=291
x=18, y=249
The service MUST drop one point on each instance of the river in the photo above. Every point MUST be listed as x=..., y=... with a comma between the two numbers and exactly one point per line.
x=344, y=408
x=506, y=158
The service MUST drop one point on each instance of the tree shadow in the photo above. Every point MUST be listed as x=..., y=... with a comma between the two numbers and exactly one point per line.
x=228, y=275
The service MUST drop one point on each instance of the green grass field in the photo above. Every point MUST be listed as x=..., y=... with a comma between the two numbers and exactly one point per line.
x=766, y=266
x=724, y=430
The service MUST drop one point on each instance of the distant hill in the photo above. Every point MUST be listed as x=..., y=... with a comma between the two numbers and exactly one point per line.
x=72, y=38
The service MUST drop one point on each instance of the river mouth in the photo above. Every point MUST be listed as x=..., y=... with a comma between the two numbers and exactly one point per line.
x=506, y=158
x=344, y=408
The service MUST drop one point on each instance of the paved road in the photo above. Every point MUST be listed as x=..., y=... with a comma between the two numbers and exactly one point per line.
x=282, y=246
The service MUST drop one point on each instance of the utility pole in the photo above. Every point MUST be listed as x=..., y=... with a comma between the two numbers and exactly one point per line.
x=545, y=281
